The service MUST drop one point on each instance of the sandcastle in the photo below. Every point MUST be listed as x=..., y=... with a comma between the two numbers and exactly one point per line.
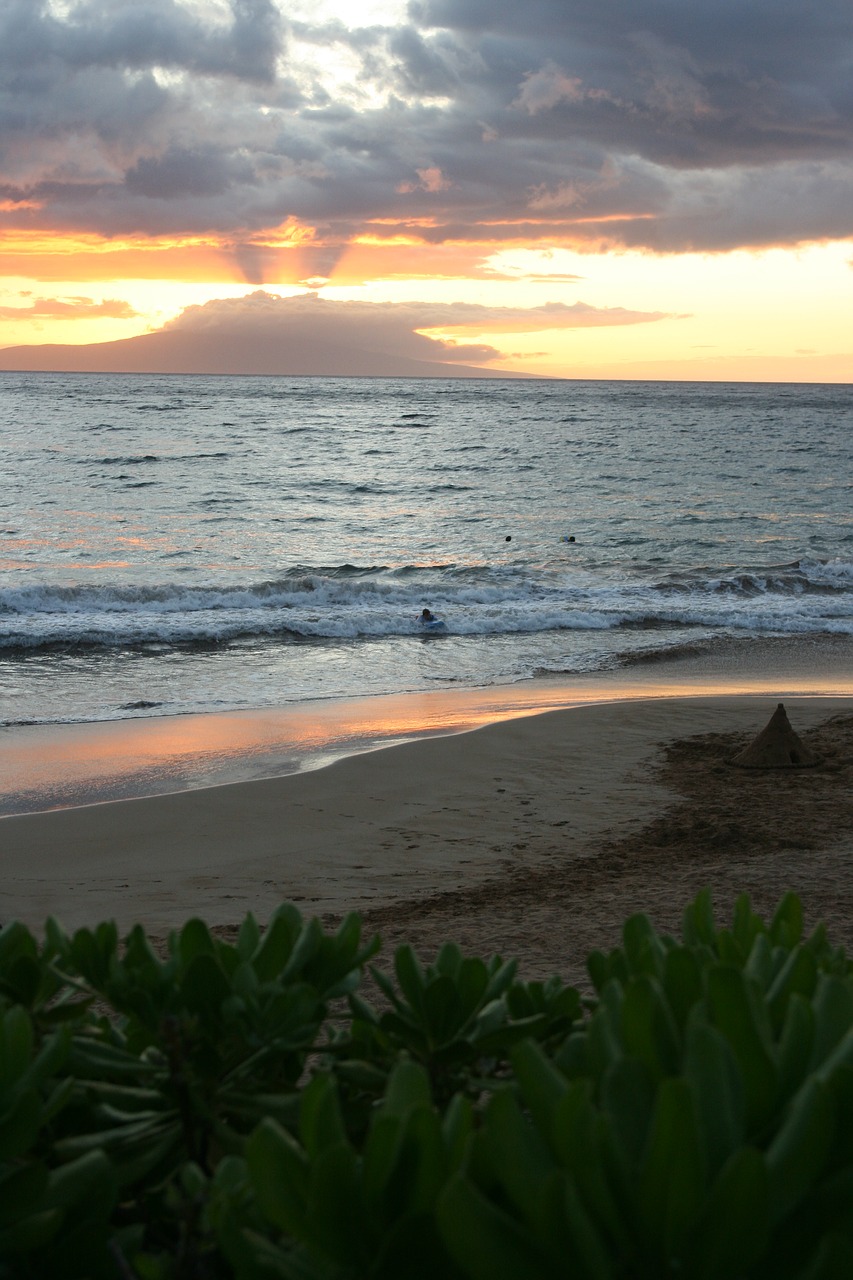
x=776, y=747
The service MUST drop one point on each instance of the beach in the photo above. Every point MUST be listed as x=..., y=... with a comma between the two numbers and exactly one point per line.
x=215, y=693
x=531, y=837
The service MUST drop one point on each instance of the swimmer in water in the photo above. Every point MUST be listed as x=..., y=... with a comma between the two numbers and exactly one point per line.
x=426, y=618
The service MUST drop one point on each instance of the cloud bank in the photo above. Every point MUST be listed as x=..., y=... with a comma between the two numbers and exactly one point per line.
x=310, y=335
x=640, y=123
x=69, y=309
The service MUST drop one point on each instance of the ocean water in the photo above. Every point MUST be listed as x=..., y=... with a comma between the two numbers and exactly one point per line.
x=181, y=544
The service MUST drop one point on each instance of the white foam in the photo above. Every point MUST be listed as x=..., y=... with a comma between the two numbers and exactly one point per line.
x=347, y=603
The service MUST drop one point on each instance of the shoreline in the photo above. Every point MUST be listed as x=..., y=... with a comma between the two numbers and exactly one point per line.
x=506, y=839
x=65, y=765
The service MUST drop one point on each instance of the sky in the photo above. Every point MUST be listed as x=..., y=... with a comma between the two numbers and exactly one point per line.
x=564, y=188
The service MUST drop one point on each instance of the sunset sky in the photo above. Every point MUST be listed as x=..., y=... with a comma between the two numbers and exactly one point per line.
x=575, y=188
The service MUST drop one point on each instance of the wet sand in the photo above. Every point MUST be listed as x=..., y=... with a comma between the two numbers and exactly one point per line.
x=534, y=837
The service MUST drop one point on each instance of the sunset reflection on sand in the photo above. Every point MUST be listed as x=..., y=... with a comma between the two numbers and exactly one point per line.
x=45, y=767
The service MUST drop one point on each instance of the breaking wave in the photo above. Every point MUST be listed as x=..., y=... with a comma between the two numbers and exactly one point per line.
x=353, y=602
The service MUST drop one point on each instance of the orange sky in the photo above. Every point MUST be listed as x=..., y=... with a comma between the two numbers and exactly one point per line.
x=677, y=188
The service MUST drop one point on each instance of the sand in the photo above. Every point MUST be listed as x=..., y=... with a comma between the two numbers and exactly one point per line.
x=534, y=837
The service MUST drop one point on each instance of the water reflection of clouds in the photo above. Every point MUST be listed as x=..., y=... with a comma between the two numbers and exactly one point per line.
x=66, y=765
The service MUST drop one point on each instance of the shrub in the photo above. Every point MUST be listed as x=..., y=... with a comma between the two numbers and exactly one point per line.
x=244, y=1111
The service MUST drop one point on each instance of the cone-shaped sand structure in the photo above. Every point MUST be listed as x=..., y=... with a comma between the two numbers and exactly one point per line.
x=776, y=747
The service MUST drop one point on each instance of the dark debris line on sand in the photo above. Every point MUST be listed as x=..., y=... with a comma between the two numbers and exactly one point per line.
x=754, y=830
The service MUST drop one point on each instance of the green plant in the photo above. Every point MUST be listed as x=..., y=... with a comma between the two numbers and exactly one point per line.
x=51, y=1215
x=459, y=1017
x=700, y=1123
x=367, y=1210
x=212, y=1113
x=201, y=1044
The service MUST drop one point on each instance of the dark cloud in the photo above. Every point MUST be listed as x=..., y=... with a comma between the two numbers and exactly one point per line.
x=649, y=123
x=181, y=171
x=140, y=34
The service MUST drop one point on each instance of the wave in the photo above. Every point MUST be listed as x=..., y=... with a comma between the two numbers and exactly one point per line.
x=352, y=602
x=123, y=461
x=138, y=459
x=797, y=578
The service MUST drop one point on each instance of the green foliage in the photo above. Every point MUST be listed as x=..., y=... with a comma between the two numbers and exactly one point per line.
x=367, y=1210
x=458, y=1017
x=201, y=1045
x=243, y=1111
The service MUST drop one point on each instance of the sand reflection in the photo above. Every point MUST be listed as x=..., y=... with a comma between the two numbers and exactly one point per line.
x=66, y=765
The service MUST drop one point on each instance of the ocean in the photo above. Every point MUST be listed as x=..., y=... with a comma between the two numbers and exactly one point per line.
x=176, y=544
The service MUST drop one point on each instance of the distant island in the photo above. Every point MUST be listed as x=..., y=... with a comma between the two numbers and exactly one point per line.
x=196, y=353
x=263, y=334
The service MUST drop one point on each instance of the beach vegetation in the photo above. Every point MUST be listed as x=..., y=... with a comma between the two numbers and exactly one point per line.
x=278, y=1106
x=458, y=1017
